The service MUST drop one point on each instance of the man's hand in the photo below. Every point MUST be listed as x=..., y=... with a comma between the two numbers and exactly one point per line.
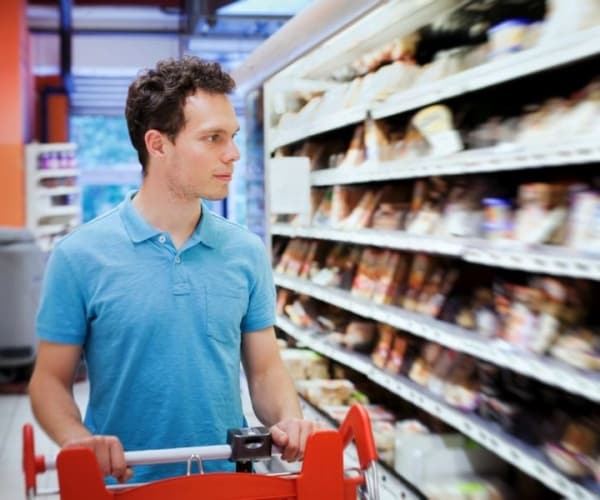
x=109, y=453
x=291, y=434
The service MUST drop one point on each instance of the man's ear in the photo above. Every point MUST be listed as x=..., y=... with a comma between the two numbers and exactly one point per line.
x=155, y=142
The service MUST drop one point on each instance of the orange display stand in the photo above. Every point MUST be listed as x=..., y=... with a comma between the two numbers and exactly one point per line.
x=322, y=475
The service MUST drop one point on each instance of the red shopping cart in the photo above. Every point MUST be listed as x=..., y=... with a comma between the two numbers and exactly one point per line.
x=322, y=475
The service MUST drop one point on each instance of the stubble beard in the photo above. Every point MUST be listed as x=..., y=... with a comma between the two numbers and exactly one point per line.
x=190, y=193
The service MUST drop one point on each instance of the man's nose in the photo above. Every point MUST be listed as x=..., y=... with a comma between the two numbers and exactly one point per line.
x=232, y=153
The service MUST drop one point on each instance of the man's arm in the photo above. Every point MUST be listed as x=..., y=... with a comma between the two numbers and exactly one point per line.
x=51, y=393
x=50, y=390
x=273, y=393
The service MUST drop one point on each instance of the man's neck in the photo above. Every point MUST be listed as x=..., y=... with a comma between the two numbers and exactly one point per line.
x=167, y=213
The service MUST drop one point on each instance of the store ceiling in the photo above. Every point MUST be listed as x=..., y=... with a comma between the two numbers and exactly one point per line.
x=223, y=30
x=195, y=16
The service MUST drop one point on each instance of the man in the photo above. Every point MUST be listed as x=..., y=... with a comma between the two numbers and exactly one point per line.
x=164, y=297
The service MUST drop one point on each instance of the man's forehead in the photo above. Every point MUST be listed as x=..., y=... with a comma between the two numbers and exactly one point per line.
x=200, y=110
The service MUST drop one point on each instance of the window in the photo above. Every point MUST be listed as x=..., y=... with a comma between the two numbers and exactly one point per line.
x=108, y=162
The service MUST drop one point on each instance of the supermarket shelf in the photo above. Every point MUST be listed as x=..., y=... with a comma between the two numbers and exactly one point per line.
x=50, y=229
x=41, y=216
x=566, y=49
x=332, y=121
x=539, y=259
x=59, y=211
x=52, y=147
x=53, y=173
x=527, y=458
x=398, y=240
x=57, y=191
x=507, y=157
x=563, y=50
x=545, y=369
x=546, y=259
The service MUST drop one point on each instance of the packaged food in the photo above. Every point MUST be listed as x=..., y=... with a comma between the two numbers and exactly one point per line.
x=397, y=354
x=384, y=345
x=367, y=273
x=497, y=216
x=508, y=36
x=361, y=215
x=436, y=125
x=393, y=270
x=325, y=391
x=376, y=141
x=360, y=335
x=303, y=364
x=355, y=155
x=579, y=347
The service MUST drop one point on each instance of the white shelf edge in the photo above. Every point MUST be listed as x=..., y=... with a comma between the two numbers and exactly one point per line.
x=50, y=147
x=336, y=120
x=545, y=259
x=59, y=211
x=398, y=240
x=545, y=369
x=467, y=162
x=496, y=441
x=57, y=191
x=54, y=173
x=511, y=255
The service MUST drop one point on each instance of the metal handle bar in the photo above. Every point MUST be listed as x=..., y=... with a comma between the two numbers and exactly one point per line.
x=166, y=456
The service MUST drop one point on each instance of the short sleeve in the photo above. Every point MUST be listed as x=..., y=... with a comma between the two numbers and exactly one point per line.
x=261, y=303
x=62, y=313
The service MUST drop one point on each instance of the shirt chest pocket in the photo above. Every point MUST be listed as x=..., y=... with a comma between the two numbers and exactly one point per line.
x=225, y=311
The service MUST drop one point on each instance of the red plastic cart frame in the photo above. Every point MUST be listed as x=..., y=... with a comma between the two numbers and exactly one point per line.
x=322, y=475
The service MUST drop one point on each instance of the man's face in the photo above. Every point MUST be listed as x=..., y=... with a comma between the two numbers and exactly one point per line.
x=200, y=163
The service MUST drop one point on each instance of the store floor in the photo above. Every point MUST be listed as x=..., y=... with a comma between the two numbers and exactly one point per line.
x=14, y=412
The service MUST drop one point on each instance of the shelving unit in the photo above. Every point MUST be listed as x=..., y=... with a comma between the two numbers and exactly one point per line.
x=331, y=122
x=569, y=48
x=510, y=449
x=582, y=152
x=512, y=255
x=547, y=370
x=551, y=55
x=51, y=210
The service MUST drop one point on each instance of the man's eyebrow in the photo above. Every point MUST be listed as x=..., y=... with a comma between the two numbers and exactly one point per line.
x=217, y=130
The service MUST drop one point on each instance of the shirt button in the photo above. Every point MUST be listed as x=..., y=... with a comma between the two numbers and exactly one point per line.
x=178, y=259
x=162, y=238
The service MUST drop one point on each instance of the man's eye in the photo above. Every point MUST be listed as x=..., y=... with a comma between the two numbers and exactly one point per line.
x=213, y=138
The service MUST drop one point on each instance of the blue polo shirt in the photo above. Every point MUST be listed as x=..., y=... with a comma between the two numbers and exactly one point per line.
x=161, y=328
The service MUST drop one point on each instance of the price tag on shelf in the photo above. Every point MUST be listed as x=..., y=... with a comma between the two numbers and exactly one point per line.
x=289, y=185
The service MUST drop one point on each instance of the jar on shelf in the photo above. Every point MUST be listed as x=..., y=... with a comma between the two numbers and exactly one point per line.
x=43, y=161
x=497, y=218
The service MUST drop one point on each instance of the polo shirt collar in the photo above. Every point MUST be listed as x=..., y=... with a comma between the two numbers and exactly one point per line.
x=139, y=230
x=206, y=231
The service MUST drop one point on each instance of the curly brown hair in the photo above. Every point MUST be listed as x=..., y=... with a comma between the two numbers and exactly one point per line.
x=156, y=98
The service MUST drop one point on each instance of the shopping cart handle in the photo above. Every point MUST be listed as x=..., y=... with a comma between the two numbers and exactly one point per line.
x=357, y=425
x=32, y=464
x=243, y=446
x=322, y=474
